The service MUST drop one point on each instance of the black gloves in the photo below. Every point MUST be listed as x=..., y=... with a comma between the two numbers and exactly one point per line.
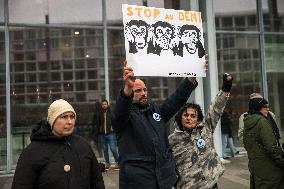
x=227, y=84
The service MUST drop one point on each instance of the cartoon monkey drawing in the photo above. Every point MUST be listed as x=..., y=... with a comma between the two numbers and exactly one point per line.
x=190, y=41
x=163, y=34
x=137, y=34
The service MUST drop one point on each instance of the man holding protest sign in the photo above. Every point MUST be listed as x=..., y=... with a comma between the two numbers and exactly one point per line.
x=146, y=161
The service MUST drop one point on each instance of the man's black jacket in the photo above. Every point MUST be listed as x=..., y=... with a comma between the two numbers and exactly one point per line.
x=146, y=160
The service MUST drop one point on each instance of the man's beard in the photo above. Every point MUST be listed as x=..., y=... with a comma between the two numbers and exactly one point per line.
x=143, y=103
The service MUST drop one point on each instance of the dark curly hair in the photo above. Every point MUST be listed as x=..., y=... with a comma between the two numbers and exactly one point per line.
x=184, y=108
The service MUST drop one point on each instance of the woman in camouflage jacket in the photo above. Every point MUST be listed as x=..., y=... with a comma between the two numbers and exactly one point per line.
x=198, y=164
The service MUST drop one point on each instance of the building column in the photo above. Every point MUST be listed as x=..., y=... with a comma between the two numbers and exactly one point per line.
x=212, y=87
x=8, y=85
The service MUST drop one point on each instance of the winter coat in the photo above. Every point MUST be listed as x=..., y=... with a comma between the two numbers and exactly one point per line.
x=266, y=164
x=241, y=123
x=199, y=167
x=50, y=162
x=102, y=127
x=226, y=124
x=146, y=160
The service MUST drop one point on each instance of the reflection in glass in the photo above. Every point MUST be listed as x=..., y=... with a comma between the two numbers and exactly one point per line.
x=235, y=15
x=113, y=10
x=3, y=131
x=44, y=66
x=238, y=55
x=274, y=58
x=1, y=16
x=36, y=12
x=273, y=15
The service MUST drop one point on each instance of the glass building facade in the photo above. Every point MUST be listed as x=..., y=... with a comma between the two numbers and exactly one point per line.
x=74, y=49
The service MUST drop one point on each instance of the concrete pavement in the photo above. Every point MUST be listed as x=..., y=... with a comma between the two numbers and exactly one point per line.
x=236, y=176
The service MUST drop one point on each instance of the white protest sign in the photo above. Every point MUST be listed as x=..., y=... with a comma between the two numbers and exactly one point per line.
x=163, y=42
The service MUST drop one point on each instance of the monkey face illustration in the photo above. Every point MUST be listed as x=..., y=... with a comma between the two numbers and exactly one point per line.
x=139, y=34
x=189, y=39
x=163, y=36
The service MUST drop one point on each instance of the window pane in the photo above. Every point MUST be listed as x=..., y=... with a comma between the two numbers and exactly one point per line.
x=242, y=61
x=1, y=17
x=79, y=64
x=116, y=41
x=57, y=12
x=20, y=67
x=68, y=87
x=92, y=75
x=67, y=64
x=80, y=75
x=81, y=97
x=42, y=73
x=19, y=78
x=43, y=76
x=18, y=56
x=273, y=15
x=113, y=9
x=31, y=67
x=235, y=15
x=42, y=66
x=68, y=75
x=18, y=89
x=55, y=65
x=3, y=131
x=31, y=77
x=80, y=86
x=274, y=57
x=55, y=76
x=92, y=86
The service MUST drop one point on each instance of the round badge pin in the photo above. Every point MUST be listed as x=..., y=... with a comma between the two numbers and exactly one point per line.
x=156, y=117
x=67, y=168
x=200, y=143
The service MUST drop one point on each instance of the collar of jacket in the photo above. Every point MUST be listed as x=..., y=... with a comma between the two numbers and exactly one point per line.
x=141, y=108
x=42, y=132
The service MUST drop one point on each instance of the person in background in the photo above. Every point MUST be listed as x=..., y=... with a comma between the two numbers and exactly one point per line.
x=198, y=164
x=95, y=130
x=106, y=134
x=227, y=136
x=241, y=118
x=56, y=158
x=261, y=141
x=146, y=160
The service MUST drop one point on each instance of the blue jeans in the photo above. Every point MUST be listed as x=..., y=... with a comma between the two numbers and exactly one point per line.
x=109, y=140
x=228, y=140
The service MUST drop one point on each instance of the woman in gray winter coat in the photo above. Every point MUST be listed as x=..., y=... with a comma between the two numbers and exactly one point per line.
x=198, y=164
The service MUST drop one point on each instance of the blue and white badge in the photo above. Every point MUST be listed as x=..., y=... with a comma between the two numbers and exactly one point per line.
x=156, y=117
x=200, y=143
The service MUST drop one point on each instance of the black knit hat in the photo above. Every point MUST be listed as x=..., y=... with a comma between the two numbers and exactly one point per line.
x=256, y=104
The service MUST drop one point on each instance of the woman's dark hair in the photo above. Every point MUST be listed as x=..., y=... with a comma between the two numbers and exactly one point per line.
x=184, y=108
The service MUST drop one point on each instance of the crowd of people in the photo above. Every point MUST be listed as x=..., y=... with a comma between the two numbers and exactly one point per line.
x=145, y=154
